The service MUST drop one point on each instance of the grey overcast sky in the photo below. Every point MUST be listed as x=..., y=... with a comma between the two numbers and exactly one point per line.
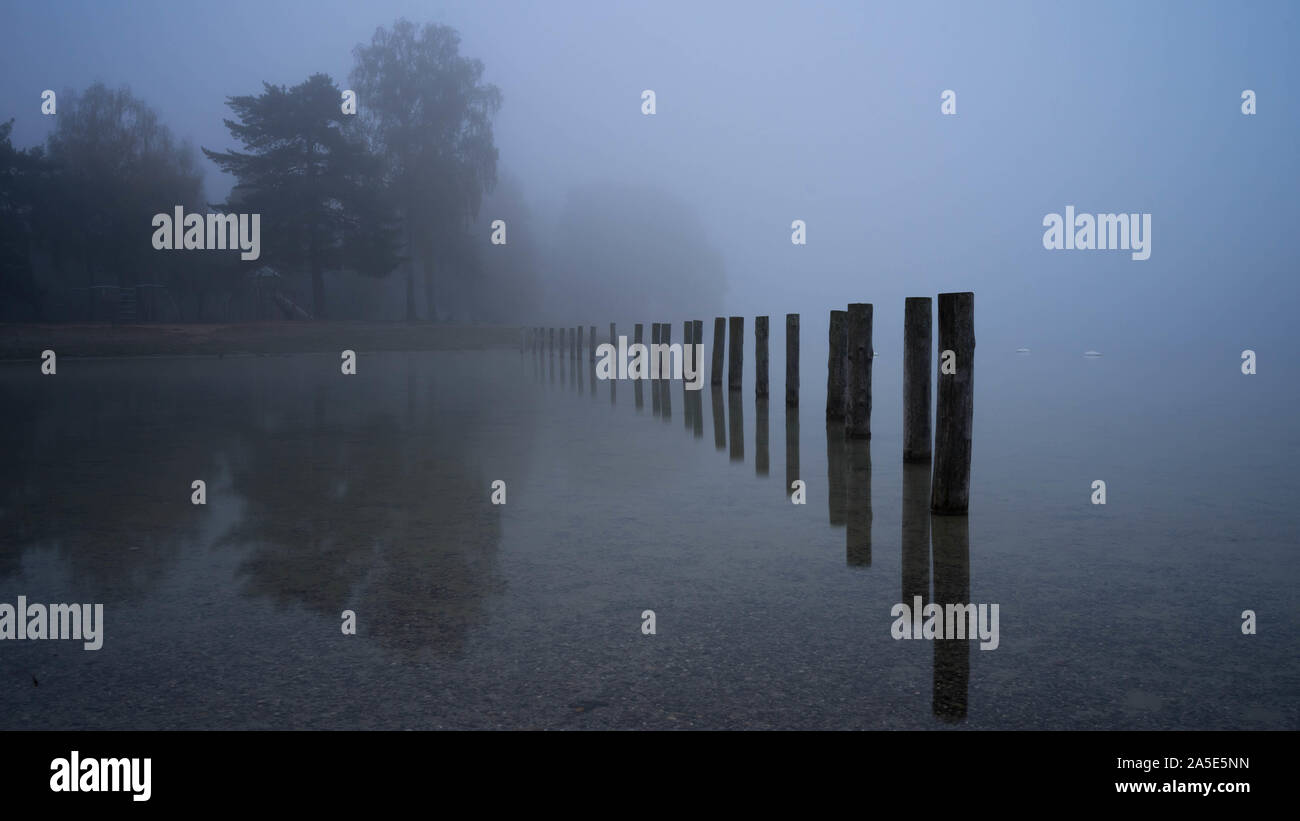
x=829, y=113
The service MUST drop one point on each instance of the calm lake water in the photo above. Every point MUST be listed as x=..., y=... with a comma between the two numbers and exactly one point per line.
x=372, y=492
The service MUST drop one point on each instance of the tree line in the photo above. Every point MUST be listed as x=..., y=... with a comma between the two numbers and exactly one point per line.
x=392, y=191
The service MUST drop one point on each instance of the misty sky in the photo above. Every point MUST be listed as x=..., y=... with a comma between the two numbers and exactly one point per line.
x=828, y=113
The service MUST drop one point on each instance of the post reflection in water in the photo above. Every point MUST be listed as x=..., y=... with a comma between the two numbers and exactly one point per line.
x=666, y=398
x=687, y=410
x=719, y=424
x=791, y=448
x=695, y=401
x=761, y=456
x=857, y=492
x=916, y=532
x=951, y=536
x=836, y=472
x=736, y=417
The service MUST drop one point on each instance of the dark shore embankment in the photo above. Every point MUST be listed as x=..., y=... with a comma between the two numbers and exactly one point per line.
x=26, y=341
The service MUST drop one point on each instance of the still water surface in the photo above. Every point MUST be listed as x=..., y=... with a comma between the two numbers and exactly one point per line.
x=371, y=493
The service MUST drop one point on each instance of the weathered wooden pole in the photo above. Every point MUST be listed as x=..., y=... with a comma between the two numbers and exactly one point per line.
x=762, y=457
x=719, y=336
x=688, y=333
x=917, y=364
x=955, y=409
x=736, y=354
x=687, y=337
x=562, y=349
x=792, y=360
x=637, y=390
x=577, y=343
x=760, y=356
x=654, y=383
x=665, y=386
x=613, y=340
x=697, y=337
x=835, y=367
x=857, y=418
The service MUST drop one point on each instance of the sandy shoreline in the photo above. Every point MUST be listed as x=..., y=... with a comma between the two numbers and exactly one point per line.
x=26, y=341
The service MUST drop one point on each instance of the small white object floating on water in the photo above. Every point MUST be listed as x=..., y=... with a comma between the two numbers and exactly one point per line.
x=1022, y=350
x=1092, y=354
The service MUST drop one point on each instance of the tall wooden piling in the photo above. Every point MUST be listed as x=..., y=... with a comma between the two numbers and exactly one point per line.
x=719, y=336
x=857, y=411
x=687, y=337
x=613, y=340
x=917, y=365
x=688, y=333
x=955, y=409
x=697, y=337
x=654, y=383
x=637, y=389
x=736, y=354
x=760, y=356
x=792, y=360
x=835, y=367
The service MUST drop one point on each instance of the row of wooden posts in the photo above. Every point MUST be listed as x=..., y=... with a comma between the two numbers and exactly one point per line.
x=848, y=376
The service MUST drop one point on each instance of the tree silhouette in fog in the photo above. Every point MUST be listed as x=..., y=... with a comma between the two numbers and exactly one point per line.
x=308, y=172
x=429, y=113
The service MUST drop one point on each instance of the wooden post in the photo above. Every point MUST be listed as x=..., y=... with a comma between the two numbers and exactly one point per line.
x=577, y=343
x=917, y=350
x=687, y=337
x=654, y=384
x=792, y=360
x=688, y=331
x=955, y=409
x=760, y=356
x=857, y=418
x=665, y=386
x=719, y=336
x=561, y=342
x=762, y=456
x=637, y=390
x=736, y=354
x=613, y=340
x=835, y=367
x=697, y=337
